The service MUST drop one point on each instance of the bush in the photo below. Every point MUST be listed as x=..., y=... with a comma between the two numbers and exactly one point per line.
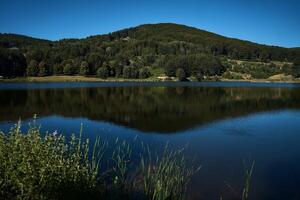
x=296, y=71
x=57, y=69
x=43, y=69
x=69, y=69
x=103, y=72
x=194, y=64
x=45, y=167
x=32, y=69
x=180, y=74
x=144, y=73
x=130, y=72
x=84, y=68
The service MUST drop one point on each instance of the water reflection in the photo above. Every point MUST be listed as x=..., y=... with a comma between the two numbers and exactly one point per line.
x=148, y=109
x=220, y=126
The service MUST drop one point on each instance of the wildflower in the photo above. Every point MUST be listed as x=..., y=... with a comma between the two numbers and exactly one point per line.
x=55, y=133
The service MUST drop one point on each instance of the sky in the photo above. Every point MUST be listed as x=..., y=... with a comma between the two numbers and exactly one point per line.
x=272, y=22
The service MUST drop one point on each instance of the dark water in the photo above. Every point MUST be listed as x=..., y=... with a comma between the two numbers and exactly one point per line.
x=221, y=124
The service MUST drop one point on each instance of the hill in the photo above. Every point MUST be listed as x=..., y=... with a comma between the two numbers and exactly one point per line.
x=138, y=52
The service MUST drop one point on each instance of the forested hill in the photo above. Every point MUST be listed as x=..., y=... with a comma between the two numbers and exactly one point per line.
x=133, y=53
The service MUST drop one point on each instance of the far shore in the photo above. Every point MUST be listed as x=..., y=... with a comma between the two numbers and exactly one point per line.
x=151, y=79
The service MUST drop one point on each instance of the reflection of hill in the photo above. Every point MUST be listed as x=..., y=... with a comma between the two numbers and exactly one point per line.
x=161, y=109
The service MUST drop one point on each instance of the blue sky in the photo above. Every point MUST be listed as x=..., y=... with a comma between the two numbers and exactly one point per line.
x=270, y=22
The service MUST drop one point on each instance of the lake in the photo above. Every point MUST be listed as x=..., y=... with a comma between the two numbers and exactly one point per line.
x=220, y=124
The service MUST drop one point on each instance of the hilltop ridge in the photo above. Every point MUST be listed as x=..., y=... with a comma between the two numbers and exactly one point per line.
x=135, y=53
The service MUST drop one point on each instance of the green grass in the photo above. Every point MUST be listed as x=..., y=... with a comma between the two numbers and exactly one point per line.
x=167, y=177
x=248, y=170
x=35, y=165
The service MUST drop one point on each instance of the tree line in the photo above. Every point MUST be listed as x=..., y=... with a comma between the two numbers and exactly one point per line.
x=131, y=53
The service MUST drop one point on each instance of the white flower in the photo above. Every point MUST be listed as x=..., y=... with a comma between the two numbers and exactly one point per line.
x=55, y=133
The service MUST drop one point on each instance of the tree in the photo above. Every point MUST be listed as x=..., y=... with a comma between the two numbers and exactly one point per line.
x=130, y=72
x=68, y=69
x=199, y=76
x=144, y=73
x=58, y=69
x=33, y=68
x=180, y=74
x=12, y=63
x=297, y=61
x=84, y=68
x=296, y=71
x=103, y=72
x=43, y=69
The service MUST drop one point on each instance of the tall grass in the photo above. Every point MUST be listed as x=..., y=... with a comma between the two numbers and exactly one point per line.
x=165, y=177
x=50, y=166
x=248, y=170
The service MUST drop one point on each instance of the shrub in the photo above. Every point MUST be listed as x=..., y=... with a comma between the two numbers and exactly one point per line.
x=45, y=167
x=103, y=72
x=32, y=69
x=144, y=73
x=180, y=74
x=43, y=69
x=84, y=68
x=69, y=69
x=130, y=72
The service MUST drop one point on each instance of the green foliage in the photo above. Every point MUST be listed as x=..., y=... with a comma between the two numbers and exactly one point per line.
x=144, y=73
x=168, y=46
x=43, y=69
x=130, y=72
x=297, y=61
x=32, y=69
x=259, y=70
x=103, y=72
x=45, y=167
x=84, y=68
x=196, y=65
x=166, y=177
x=50, y=166
x=180, y=74
x=58, y=69
x=296, y=71
x=69, y=69
x=12, y=63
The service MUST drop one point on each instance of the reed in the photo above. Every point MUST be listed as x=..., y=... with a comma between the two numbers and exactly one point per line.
x=165, y=177
x=248, y=170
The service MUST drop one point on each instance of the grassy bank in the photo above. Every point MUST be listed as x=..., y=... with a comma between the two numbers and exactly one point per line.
x=72, y=79
x=150, y=79
x=50, y=166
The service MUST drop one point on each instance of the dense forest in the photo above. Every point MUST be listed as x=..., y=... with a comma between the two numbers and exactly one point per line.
x=178, y=50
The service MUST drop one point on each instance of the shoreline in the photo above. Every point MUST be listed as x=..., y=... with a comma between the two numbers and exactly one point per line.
x=151, y=79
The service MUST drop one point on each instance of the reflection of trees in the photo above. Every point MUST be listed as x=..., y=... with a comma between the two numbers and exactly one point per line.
x=163, y=109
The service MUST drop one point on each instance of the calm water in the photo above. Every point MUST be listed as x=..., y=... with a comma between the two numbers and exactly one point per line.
x=221, y=124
